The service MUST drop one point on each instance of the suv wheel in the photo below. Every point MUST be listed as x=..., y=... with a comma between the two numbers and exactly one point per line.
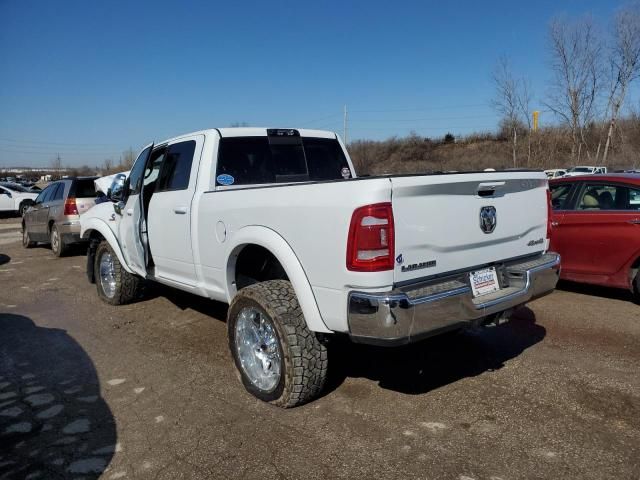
x=115, y=285
x=279, y=359
x=58, y=247
x=26, y=241
x=24, y=206
x=636, y=288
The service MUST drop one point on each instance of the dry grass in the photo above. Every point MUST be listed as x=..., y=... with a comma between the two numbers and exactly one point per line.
x=550, y=148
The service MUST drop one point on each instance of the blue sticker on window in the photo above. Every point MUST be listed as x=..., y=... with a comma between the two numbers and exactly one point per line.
x=225, y=179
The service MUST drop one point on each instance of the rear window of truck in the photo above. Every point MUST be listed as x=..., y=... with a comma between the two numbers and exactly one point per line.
x=259, y=160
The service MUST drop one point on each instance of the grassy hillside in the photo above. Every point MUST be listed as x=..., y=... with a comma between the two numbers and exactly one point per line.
x=549, y=148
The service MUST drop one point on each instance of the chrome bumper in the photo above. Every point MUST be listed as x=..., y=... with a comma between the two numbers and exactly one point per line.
x=421, y=310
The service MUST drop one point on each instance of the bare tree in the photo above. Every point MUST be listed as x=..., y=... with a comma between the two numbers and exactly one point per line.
x=524, y=98
x=506, y=101
x=107, y=165
x=575, y=54
x=624, y=64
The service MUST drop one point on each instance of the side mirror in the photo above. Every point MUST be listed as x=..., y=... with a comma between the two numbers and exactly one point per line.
x=116, y=190
x=4, y=192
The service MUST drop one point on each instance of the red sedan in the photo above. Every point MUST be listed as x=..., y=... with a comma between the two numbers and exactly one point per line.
x=596, y=229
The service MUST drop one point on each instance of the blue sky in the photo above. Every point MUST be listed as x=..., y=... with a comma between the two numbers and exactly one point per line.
x=88, y=80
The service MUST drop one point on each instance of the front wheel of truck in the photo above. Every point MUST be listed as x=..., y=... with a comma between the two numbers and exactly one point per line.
x=279, y=359
x=115, y=285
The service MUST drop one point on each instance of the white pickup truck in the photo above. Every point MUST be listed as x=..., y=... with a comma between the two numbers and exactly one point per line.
x=276, y=223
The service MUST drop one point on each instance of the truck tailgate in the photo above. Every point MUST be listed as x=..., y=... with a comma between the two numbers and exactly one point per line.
x=445, y=223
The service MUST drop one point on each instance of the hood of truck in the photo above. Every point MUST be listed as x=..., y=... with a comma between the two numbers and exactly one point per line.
x=453, y=222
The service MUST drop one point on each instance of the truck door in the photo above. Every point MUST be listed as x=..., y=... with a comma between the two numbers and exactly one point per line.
x=170, y=209
x=130, y=227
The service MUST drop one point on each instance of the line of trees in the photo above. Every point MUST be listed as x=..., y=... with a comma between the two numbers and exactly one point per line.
x=591, y=73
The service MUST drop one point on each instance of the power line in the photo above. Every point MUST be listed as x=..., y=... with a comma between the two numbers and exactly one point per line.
x=422, y=109
x=425, y=119
x=36, y=142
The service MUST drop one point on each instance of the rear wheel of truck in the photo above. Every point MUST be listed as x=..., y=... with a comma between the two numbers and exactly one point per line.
x=279, y=359
x=636, y=288
x=115, y=285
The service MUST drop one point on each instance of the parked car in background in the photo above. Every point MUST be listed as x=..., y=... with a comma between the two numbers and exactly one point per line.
x=596, y=229
x=55, y=216
x=555, y=172
x=583, y=170
x=14, y=198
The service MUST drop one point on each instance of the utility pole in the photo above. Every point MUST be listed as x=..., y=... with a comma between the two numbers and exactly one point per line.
x=345, y=125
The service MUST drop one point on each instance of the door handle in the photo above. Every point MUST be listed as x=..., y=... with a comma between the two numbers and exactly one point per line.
x=180, y=210
x=554, y=224
x=130, y=212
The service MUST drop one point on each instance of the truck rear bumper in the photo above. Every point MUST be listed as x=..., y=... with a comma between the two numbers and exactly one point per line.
x=421, y=310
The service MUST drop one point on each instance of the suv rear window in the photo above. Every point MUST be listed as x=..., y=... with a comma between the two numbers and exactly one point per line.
x=258, y=160
x=83, y=188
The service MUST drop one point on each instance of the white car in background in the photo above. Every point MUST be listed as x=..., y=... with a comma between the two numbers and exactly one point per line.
x=15, y=198
x=555, y=173
x=585, y=170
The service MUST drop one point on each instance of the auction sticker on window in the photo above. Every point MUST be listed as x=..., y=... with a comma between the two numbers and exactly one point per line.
x=484, y=281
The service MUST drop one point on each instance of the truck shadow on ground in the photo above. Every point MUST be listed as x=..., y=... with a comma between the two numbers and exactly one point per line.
x=595, y=290
x=438, y=361
x=53, y=421
x=412, y=369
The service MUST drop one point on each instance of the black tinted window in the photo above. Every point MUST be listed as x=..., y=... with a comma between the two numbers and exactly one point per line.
x=135, y=176
x=255, y=160
x=84, y=188
x=176, y=169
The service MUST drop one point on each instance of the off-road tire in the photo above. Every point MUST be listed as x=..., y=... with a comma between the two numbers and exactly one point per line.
x=58, y=247
x=304, y=358
x=636, y=288
x=128, y=286
x=26, y=241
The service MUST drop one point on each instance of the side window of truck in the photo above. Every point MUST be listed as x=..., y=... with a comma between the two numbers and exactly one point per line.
x=176, y=169
x=135, y=177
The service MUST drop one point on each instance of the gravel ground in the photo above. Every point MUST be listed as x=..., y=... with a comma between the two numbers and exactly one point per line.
x=149, y=391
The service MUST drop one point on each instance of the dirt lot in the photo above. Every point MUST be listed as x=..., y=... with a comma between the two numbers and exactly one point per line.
x=148, y=391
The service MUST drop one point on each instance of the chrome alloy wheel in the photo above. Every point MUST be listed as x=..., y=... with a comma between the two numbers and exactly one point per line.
x=55, y=239
x=107, y=275
x=258, y=348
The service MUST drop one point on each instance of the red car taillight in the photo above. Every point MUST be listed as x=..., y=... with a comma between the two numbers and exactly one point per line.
x=70, y=207
x=549, y=213
x=370, y=247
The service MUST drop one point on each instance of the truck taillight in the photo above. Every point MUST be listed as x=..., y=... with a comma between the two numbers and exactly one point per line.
x=370, y=247
x=70, y=207
x=549, y=213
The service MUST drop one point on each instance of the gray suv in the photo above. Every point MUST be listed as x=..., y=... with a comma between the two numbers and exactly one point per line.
x=55, y=216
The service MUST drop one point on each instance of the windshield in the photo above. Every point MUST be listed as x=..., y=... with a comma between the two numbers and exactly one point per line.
x=15, y=187
x=580, y=169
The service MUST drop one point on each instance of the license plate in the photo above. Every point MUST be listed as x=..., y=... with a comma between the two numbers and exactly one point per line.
x=484, y=281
